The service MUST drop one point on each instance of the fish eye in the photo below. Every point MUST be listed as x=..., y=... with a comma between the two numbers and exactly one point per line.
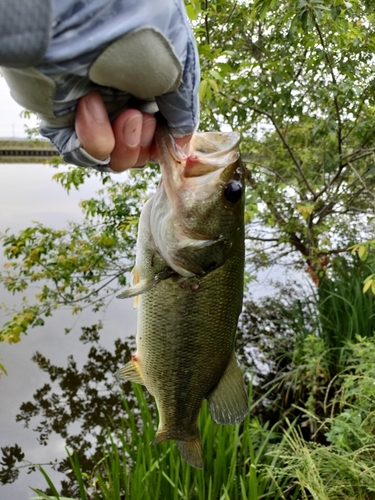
x=233, y=191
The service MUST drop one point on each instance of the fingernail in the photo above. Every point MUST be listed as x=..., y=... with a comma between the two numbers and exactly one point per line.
x=132, y=131
x=148, y=132
x=183, y=144
x=96, y=109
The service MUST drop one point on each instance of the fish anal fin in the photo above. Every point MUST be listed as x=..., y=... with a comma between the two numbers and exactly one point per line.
x=130, y=372
x=190, y=449
x=228, y=402
x=191, y=452
x=160, y=437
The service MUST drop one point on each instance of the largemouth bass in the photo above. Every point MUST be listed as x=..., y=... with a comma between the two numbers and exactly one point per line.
x=188, y=283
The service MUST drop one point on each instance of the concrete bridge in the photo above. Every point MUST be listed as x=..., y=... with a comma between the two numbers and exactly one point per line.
x=26, y=151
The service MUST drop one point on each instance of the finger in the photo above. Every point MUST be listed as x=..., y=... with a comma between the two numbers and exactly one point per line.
x=147, y=139
x=134, y=132
x=93, y=127
x=183, y=142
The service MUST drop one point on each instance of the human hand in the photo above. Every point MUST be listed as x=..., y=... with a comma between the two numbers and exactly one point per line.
x=98, y=65
x=128, y=140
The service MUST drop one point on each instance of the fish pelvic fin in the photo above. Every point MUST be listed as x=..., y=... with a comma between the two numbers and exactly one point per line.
x=145, y=285
x=191, y=452
x=130, y=372
x=228, y=402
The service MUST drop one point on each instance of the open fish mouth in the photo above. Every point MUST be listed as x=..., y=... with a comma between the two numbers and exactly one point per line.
x=214, y=144
x=208, y=152
x=192, y=217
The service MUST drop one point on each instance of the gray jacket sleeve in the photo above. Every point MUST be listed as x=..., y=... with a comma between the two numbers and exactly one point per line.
x=25, y=31
x=122, y=48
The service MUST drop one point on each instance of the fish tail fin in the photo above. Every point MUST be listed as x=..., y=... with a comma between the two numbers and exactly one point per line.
x=191, y=451
x=228, y=402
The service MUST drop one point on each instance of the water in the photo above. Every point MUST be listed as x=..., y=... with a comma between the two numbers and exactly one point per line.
x=27, y=194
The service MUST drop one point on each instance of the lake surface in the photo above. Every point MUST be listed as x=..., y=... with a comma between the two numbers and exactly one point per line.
x=28, y=194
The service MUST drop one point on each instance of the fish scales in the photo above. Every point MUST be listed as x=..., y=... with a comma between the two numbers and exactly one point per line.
x=188, y=283
x=199, y=323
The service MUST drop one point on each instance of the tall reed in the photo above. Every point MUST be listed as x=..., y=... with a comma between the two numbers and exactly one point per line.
x=237, y=464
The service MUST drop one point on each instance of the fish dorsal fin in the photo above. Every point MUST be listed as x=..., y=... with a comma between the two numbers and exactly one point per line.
x=146, y=284
x=228, y=402
x=130, y=372
x=191, y=451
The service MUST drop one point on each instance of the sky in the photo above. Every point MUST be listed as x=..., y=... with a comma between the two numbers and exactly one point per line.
x=12, y=125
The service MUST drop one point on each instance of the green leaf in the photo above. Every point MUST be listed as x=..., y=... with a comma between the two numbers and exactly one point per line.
x=368, y=284
x=362, y=252
x=191, y=12
x=214, y=86
x=335, y=12
x=203, y=90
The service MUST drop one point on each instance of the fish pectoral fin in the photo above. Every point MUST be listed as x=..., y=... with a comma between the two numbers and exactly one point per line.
x=191, y=451
x=130, y=372
x=228, y=402
x=145, y=285
x=141, y=287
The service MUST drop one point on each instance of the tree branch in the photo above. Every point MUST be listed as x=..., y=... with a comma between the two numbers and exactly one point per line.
x=334, y=81
x=281, y=136
x=354, y=158
x=356, y=173
x=206, y=23
x=292, y=236
x=271, y=171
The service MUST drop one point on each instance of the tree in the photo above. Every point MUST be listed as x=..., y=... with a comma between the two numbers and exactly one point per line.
x=80, y=266
x=295, y=78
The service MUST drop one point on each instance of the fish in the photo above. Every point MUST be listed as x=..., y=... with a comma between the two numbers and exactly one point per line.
x=188, y=288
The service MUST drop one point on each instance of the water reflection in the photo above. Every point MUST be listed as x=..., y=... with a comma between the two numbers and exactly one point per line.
x=79, y=403
x=28, y=194
x=67, y=394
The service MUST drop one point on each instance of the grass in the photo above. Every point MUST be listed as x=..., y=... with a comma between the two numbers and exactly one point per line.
x=333, y=375
x=237, y=463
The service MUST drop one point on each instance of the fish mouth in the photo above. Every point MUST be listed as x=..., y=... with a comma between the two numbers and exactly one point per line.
x=202, y=169
x=210, y=152
x=214, y=144
x=191, y=188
